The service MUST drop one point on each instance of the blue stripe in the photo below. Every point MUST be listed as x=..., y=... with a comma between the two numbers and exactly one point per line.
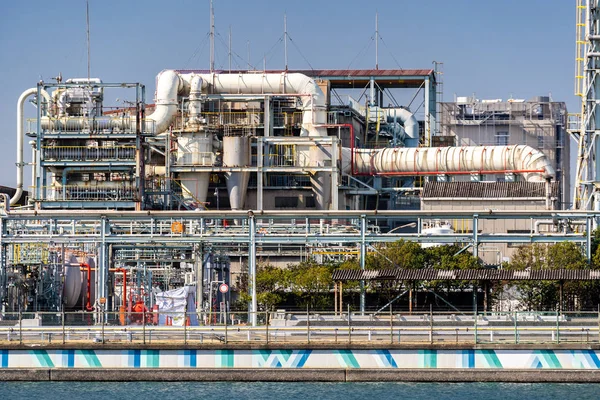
x=191, y=358
x=70, y=358
x=137, y=355
x=4, y=358
x=594, y=358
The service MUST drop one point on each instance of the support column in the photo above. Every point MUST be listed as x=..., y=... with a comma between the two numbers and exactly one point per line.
x=253, y=305
x=259, y=172
x=334, y=174
x=363, y=251
x=199, y=269
x=475, y=236
x=102, y=270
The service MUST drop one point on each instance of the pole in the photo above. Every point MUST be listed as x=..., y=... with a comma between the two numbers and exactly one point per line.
x=229, y=48
x=376, y=41
x=267, y=325
x=285, y=38
x=212, y=37
x=63, y=326
x=248, y=45
x=363, y=251
x=87, y=24
x=349, y=326
x=252, y=268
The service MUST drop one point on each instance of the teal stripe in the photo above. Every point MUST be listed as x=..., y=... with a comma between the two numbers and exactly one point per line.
x=491, y=359
x=224, y=359
x=348, y=359
x=43, y=358
x=152, y=358
x=91, y=358
x=427, y=358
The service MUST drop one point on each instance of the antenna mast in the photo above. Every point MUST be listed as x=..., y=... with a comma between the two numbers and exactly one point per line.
x=285, y=37
x=212, y=37
x=87, y=24
x=229, y=48
x=376, y=41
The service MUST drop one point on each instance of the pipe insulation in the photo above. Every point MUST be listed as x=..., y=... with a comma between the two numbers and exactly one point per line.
x=20, y=137
x=522, y=159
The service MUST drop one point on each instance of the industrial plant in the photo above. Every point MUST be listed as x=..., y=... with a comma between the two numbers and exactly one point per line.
x=190, y=186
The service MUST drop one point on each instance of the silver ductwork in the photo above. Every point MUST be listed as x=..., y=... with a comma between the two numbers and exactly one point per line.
x=532, y=164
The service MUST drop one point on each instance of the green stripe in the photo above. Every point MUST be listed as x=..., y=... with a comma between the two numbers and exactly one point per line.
x=491, y=359
x=91, y=358
x=427, y=358
x=348, y=359
x=152, y=358
x=550, y=358
x=43, y=358
x=224, y=359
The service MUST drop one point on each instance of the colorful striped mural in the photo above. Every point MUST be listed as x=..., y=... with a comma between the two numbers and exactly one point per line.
x=376, y=358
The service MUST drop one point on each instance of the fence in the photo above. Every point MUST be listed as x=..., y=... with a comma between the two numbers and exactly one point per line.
x=299, y=328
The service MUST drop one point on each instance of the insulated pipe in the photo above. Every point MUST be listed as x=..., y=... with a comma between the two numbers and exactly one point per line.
x=195, y=106
x=522, y=159
x=20, y=138
x=408, y=120
x=168, y=85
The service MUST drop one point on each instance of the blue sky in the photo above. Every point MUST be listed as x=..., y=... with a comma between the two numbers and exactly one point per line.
x=518, y=48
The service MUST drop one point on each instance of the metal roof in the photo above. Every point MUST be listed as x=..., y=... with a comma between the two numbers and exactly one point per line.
x=490, y=190
x=466, y=274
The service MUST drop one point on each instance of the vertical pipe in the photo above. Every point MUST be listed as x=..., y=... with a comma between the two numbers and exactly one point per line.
x=475, y=236
x=363, y=250
x=253, y=306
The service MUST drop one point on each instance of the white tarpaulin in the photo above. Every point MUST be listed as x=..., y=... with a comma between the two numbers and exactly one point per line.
x=174, y=303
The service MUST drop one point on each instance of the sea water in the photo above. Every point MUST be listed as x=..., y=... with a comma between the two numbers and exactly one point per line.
x=296, y=390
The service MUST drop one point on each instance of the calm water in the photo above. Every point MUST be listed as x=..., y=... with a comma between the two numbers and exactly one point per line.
x=291, y=391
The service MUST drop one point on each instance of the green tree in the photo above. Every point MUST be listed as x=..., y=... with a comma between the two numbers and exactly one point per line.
x=544, y=295
x=311, y=282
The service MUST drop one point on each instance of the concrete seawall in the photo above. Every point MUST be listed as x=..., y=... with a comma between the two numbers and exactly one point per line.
x=299, y=375
x=425, y=363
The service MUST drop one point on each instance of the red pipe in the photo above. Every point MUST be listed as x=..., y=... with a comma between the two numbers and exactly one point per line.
x=88, y=295
x=124, y=271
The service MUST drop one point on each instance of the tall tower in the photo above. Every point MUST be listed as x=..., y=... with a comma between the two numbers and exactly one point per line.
x=587, y=86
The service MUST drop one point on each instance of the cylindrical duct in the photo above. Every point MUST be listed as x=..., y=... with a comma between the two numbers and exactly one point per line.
x=525, y=160
x=236, y=153
x=195, y=149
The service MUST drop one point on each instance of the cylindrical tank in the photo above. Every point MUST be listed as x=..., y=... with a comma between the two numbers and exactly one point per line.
x=236, y=153
x=73, y=282
x=195, y=149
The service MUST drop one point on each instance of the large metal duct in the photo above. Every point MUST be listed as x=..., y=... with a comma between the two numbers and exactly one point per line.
x=409, y=122
x=521, y=159
x=20, y=138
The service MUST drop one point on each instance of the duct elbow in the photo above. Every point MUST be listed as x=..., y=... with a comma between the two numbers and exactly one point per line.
x=168, y=85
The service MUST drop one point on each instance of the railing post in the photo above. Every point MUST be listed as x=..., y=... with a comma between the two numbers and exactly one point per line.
x=431, y=325
x=475, y=326
x=103, y=316
x=185, y=328
x=557, y=327
x=144, y=326
x=307, y=325
x=516, y=329
x=267, y=325
x=226, y=338
x=20, y=327
x=349, y=326
x=63, y=325
x=391, y=325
